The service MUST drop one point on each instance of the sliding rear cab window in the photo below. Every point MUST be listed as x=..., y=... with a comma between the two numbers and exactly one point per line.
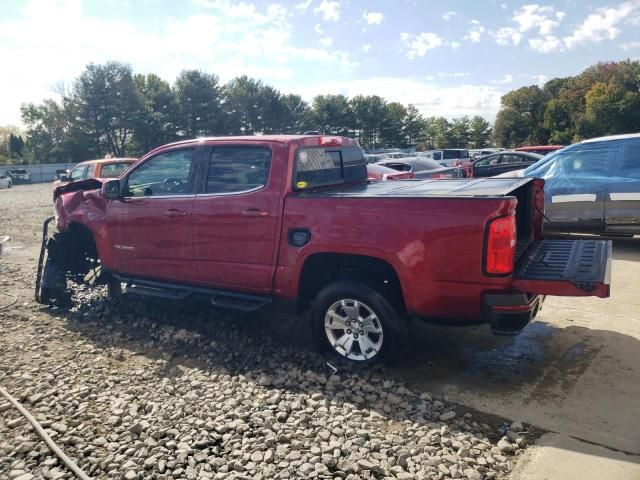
x=318, y=167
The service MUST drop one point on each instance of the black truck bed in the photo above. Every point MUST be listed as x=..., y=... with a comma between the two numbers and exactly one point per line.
x=475, y=187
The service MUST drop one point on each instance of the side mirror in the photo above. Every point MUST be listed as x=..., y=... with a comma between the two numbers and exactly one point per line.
x=111, y=189
x=64, y=178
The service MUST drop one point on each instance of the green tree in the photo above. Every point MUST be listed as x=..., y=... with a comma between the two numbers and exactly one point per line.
x=480, y=132
x=199, y=104
x=414, y=125
x=393, y=132
x=156, y=122
x=332, y=114
x=106, y=103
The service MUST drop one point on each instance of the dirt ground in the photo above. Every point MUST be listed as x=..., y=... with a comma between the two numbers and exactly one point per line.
x=574, y=371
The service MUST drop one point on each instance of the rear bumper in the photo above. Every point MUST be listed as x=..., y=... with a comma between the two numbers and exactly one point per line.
x=508, y=314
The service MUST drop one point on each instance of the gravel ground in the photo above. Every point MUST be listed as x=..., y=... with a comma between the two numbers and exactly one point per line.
x=138, y=388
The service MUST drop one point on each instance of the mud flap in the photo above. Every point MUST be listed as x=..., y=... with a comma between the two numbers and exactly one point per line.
x=566, y=268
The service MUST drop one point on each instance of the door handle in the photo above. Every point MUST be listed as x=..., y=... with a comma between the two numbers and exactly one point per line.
x=172, y=212
x=254, y=212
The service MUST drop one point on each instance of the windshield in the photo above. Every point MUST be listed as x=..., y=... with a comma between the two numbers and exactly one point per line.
x=539, y=168
x=114, y=170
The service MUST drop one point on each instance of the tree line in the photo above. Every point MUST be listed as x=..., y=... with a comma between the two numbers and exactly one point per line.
x=603, y=100
x=111, y=110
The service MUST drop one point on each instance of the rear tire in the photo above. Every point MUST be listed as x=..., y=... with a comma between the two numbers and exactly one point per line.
x=352, y=321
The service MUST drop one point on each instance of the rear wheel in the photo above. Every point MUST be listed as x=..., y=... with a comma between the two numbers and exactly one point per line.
x=354, y=322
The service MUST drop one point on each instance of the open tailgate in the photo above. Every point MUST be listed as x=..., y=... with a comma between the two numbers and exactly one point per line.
x=566, y=268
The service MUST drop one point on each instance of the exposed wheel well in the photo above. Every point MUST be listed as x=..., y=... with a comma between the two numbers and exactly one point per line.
x=321, y=269
x=74, y=250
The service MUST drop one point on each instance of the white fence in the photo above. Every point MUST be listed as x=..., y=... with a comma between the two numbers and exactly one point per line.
x=40, y=173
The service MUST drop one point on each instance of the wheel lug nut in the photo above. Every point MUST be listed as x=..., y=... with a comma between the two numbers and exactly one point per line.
x=361, y=332
x=349, y=331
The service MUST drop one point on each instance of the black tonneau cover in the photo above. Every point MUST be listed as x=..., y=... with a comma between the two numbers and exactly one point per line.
x=478, y=187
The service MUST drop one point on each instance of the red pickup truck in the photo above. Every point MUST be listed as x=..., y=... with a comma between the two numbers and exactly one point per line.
x=244, y=221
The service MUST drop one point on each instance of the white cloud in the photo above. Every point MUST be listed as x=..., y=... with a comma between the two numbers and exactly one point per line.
x=418, y=45
x=453, y=74
x=504, y=6
x=474, y=22
x=540, y=79
x=602, y=25
x=538, y=18
x=507, y=36
x=318, y=29
x=365, y=47
x=504, y=80
x=629, y=46
x=546, y=44
x=474, y=35
x=429, y=98
x=326, y=42
x=449, y=15
x=454, y=44
x=302, y=6
x=329, y=10
x=372, y=18
x=232, y=38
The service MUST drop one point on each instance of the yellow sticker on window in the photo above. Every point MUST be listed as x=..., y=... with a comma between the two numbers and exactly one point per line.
x=301, y=184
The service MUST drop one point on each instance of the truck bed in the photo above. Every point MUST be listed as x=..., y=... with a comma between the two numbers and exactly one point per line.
x=478, y=187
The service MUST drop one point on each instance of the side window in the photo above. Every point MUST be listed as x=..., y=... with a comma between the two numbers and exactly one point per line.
x=589, y=159
x=238, y=169
x=78, y=173
x=630, y=159
x=512, y=159
x=437, y=155
x=166, y=174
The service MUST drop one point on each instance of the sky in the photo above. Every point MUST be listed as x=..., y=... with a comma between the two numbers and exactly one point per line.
x=449, y=58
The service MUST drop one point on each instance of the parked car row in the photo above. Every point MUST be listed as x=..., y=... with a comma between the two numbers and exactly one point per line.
x=18, y=175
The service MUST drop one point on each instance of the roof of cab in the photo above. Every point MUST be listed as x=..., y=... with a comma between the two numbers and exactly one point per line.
x=306, y=140
x=610, y=138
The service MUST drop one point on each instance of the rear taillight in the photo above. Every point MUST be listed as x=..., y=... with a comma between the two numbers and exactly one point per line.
x=440, y=175
x=501, y=245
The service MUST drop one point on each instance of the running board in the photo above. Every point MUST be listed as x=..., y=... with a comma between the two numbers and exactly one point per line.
x=218, y=298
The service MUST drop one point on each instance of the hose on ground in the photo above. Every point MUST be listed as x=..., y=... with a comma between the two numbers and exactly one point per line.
x=47, y=439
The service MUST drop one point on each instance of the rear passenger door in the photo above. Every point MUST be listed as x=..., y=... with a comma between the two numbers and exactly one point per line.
x=236, y=216
x=622, y=202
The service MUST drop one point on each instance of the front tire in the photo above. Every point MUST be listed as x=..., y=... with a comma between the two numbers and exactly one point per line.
x=352, y=321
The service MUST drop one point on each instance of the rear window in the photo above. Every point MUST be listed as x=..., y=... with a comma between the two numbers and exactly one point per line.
x=18, y=171
x=317, y=167
x=113, y=170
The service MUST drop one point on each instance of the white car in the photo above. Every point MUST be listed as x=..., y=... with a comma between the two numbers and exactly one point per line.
x=5, y=181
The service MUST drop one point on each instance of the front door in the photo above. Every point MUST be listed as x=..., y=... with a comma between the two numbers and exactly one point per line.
x=622, y=203
x=153, y=232
x=236, y=217
x=576, y=185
